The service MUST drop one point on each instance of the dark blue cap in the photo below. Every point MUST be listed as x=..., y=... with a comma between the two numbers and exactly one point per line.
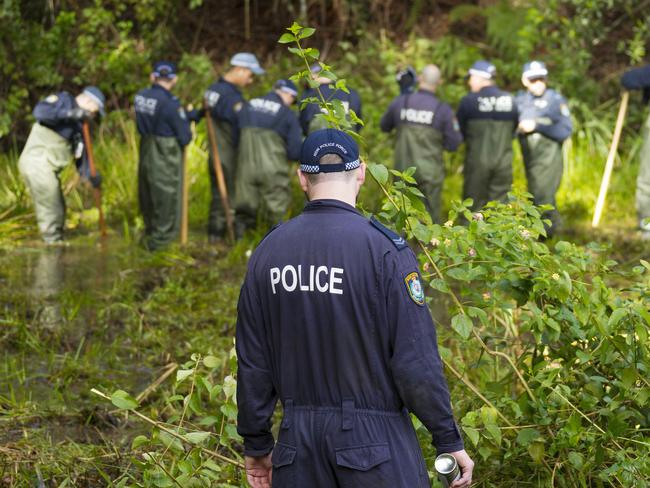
x=97, y=95
x=287, y=86
x=535, y=69
x=164, y=69
x=484, y=69
x=329, y=141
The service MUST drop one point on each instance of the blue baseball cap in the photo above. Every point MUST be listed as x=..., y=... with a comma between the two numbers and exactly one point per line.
x=484, y=69
x=247, y=60
x=97, y=96
x=329, y=141
x=534, y=69
x=286, y=86
x=164, y=69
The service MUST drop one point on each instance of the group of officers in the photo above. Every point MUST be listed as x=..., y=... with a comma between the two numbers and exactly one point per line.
x=255, y=139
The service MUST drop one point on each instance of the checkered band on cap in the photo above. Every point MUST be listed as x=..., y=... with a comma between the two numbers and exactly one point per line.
x=329, y=141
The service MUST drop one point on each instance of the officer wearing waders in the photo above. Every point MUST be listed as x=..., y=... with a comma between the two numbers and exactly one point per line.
x=488, y=118
x=53, y=141
x=639, y=79
x=225, y=100
x=309, y=119
x=425, y=127
x=544, y=124
x=333, y=322
x=269, y=136
x=164, y=131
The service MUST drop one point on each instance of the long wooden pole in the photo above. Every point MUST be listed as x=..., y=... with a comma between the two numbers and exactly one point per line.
x=97, y=192
x=184, y=200
x=218, y=169
x=609, y=165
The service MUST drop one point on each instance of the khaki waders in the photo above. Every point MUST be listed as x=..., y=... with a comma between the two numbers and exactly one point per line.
x=45, y=155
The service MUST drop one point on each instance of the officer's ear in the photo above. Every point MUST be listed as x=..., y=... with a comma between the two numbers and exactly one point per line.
x=304, y=181
x=361, y=175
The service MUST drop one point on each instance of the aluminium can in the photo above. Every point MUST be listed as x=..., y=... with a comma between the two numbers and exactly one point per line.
x=447, y=469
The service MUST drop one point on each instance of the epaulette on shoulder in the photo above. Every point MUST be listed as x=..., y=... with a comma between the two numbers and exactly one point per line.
x=269, y=232
x=398, y=241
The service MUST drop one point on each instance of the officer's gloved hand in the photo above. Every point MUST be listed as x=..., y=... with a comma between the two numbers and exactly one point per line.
x=79, y=114
x=406, y=79
x=96, y=181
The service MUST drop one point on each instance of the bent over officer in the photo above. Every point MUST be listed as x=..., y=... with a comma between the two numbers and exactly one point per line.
x=639, y=79
x=488, y=119
x=309, y=119
x=425, y=126
x=332, y=321
x=269, y=135
x=225, y=100
x=54, y=139
x=164, y=131
x=544, y=124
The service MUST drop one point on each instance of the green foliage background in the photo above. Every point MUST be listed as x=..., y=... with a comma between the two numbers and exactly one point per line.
x=546, y=347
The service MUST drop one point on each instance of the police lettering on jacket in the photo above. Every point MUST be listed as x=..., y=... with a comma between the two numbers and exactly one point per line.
x=351, y=101
x=549, y=111
x=332, y=309
x=54, y=113
x=489, y=103
x=224, y=101
x=268, y=112
x=159, y=113
x=423, y=108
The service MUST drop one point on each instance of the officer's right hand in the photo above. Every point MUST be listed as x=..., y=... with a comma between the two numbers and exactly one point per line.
x=259, y=471
x=79, y=113
x=466, y=466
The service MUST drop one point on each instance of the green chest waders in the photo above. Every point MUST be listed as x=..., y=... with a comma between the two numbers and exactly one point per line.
x=421, y=146
x=159, y=189
x=544, y=165
x=45, y=155
x=227, y=154
x=488, y=161
x=262, y=177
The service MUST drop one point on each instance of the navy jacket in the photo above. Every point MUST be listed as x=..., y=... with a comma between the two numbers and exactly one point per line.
x=268, y=112
x=350, y=100
x=54, y=112
x=489, y=103
x=638, y=79
x=332, y=308
x=159, y=113
x=425, y=109
x=550, y=112
x=225, y=101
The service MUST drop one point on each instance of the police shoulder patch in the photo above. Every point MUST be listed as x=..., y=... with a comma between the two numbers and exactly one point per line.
x=414, y=288
x=238, y=106
x=398, y=241
x=52, y=98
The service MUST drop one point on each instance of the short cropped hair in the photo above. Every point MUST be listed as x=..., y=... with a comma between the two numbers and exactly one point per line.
x=321, y=177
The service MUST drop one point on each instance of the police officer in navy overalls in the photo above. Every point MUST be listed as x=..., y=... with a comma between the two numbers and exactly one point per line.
x=332, y=321
x=165, y=131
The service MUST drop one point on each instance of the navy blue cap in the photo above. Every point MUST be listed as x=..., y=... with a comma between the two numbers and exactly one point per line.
x=534, y=69
x=97, y=96
x=484, y=69
x=328, y=141
x=164, y=69
x=287, y=86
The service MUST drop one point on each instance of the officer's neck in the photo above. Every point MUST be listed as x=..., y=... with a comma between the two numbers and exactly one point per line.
x=328, y=191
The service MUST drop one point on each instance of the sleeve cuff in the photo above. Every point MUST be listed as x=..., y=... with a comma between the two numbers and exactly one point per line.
x=259, y=445
x=257, y=452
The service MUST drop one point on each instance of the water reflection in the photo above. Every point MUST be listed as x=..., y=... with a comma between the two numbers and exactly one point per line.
x=48, y=280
